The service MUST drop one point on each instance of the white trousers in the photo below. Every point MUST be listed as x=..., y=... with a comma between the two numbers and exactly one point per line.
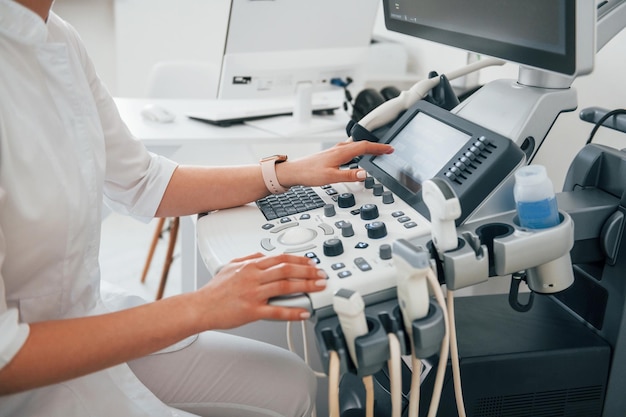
x=221, y=375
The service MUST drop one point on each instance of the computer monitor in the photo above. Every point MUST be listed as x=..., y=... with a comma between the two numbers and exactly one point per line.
x=554, y=35
x=554, y=41
x=273, y=46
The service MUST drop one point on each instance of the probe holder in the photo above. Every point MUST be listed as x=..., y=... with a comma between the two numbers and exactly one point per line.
x=499, y=246
x=543, y=253
x=372, y=349
x=466, y=265
x=428, y=332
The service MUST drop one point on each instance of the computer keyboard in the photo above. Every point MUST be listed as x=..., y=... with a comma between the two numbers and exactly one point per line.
x=297, y=200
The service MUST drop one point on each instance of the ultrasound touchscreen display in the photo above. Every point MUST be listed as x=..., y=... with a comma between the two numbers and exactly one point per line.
x=422, y=148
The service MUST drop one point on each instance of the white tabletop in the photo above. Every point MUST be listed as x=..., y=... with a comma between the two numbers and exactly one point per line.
x=185, y=131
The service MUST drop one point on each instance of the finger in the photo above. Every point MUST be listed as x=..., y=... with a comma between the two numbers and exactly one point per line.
x=284, y=258
x=248, y=257
x=352, y=175
x=347, y=151
x=292, y=272
x=271, y=312
x=290, y=286
x=373, y=148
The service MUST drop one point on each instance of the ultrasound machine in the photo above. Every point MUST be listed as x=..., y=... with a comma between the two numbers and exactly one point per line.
x=440, y=210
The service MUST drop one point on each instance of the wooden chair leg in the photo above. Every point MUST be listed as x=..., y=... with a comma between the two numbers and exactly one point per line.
x=155, y=240
x=169, y=256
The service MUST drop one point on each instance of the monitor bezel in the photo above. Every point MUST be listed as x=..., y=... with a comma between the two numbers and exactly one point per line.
x=579, y=37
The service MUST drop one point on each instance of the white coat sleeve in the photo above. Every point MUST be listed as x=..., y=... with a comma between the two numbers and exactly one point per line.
x=135, y=179
x=13, y=334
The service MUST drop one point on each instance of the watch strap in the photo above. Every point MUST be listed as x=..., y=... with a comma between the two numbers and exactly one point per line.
x=268, y=170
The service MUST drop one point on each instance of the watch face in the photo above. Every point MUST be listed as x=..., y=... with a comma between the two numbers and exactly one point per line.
x=277, y=158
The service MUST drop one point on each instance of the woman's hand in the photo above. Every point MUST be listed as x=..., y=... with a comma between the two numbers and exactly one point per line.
x=323, y=167
x=240, y=291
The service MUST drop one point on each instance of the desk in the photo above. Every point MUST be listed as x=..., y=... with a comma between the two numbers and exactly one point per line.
x=184, y=134
x=184, y=131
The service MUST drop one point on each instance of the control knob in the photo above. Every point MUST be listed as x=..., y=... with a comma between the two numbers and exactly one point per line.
x=346, y=200
x=387, y=197
x=376, y=230
x=347, y=230
x=333, y=247
x=377, y=189
x=369, y=211
x=385, y=251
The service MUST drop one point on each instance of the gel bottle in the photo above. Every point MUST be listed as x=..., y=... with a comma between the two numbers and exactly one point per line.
x=534, y=198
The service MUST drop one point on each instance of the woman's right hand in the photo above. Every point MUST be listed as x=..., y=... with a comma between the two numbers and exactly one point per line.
x=240, y=291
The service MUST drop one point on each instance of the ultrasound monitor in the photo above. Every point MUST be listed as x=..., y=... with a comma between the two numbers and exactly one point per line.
x=555, y=35
x=552, y=41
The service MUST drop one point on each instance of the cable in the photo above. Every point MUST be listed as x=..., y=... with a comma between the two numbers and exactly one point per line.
x=390, y=109
x=368, y=383
x=333, y=384
x=306, y=354
x=350, y=309
x=416, y=380
x=454, y=356
x=395, y=374
x=413, y=266
x=601, y=121
x=305, y=343
x=445, y=345
x=291, y=347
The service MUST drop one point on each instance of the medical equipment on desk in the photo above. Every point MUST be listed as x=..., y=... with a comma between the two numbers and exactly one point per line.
x=503, y=351
x=351, y=230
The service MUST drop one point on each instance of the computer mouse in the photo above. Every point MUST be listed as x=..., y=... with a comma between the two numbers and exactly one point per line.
x=156, y=113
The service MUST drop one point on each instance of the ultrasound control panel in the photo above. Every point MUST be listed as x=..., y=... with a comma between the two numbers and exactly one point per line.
x=349, y=235
x=349, y=228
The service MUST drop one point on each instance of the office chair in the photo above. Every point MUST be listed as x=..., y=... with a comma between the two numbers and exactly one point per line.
x=183, y=79
x=172, y=228
x=176, y=79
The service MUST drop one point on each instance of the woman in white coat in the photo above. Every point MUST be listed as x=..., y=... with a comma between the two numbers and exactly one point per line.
x=63, y=149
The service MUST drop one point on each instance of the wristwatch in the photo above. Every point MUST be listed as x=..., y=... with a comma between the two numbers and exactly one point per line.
x=268, y=169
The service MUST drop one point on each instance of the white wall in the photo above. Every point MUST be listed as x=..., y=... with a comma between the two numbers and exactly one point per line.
x=94, y=21
x=605, y=87
x=125, y=37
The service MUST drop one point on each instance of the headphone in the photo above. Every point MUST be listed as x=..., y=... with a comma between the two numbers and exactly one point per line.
x=368, y=99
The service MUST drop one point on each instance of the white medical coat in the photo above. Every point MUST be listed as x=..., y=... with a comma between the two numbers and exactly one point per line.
x=63, y=148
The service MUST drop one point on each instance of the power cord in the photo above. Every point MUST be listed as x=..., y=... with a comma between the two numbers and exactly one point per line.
x=416, y=381
x=368, y=383
x=305, y=346
x=333, y=384
x=454, y=356
x=350, y=310
x=445, y=344
x=305, y=343
x=601, y=121
x=395, y=374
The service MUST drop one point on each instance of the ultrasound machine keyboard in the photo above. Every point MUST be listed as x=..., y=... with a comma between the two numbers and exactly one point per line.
x=357, y=259
x=297, y=200
x=351, y=234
